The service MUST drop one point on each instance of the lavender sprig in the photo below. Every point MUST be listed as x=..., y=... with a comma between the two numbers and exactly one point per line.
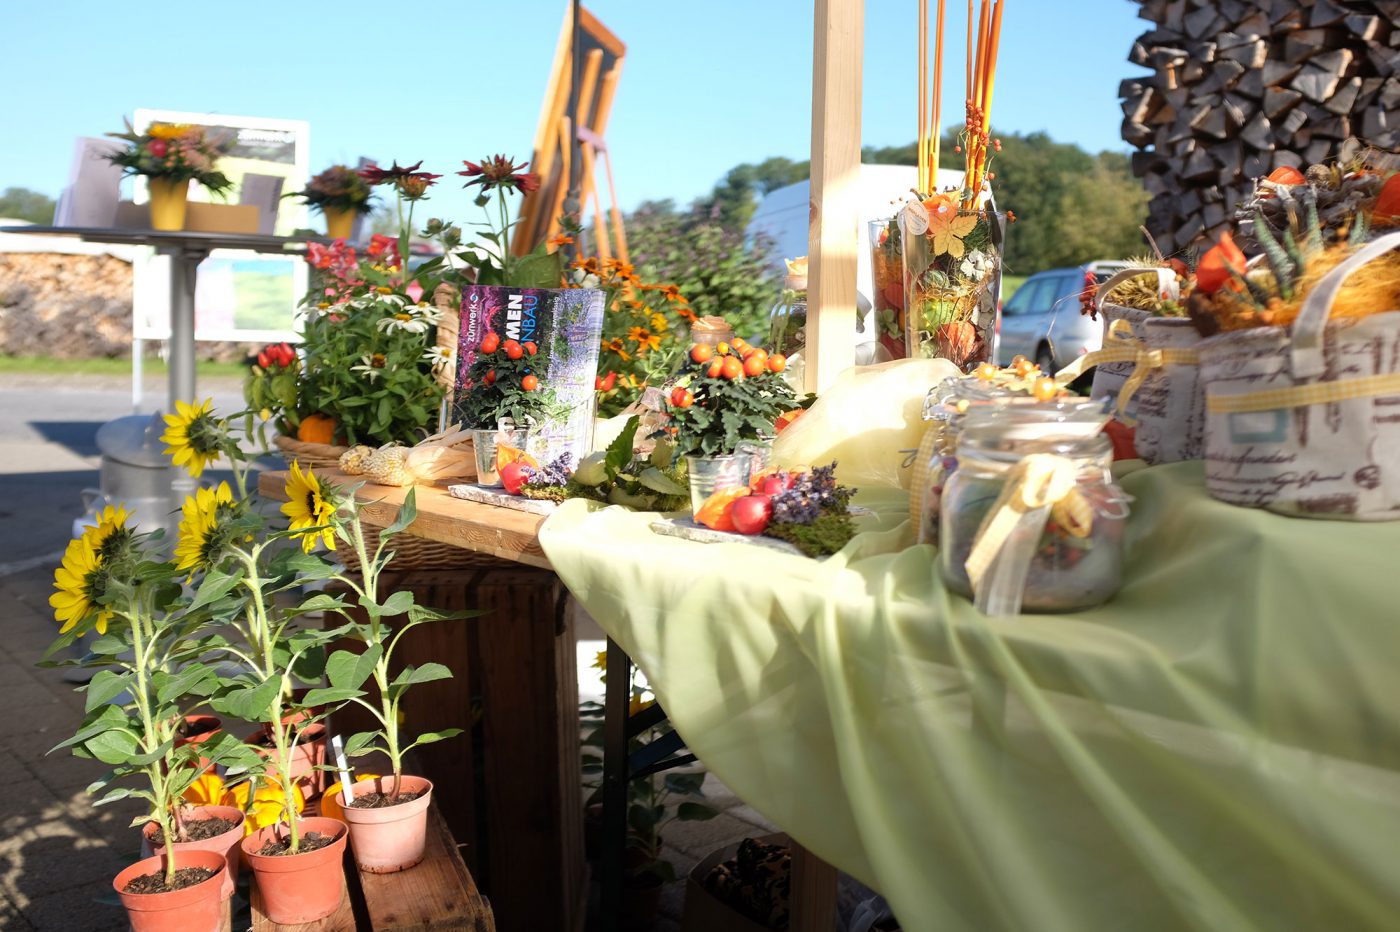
x=814, y=494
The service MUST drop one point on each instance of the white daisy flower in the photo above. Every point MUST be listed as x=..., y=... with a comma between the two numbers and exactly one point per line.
x=405, y=321
x=370, y=366
x=439, y=357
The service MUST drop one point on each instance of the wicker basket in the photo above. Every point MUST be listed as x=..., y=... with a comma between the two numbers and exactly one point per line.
x=415, y=553
x=310, y=455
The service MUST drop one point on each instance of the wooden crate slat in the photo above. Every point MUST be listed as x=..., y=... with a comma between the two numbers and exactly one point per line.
x=437, y=895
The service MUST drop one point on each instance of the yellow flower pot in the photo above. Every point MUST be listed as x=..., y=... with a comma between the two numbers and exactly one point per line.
x=339, y=222
x=167, y=203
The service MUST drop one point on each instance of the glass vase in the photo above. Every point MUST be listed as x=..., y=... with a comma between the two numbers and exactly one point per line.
x=952, y=287
x=887, y=283
x=486, y=443
x=711, y=474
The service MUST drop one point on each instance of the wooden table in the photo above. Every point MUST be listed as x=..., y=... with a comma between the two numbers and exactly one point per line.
x=510, y=787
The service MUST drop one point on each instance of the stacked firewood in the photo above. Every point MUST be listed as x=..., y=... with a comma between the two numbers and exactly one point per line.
x=1241, y=87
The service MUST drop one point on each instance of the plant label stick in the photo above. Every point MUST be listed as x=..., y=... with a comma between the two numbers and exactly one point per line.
x=339, y=747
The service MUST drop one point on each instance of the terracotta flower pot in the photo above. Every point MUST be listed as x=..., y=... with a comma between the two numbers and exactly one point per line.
x=225, y=844
x=301, y=887
x=339, y=222
x=391, y=838
x=197, y=908
x=309, y=753
x=199, y=729
x=167, y=203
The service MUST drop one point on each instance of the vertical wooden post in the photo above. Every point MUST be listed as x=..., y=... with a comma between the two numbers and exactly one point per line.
x=837, y=64
x=813, y=892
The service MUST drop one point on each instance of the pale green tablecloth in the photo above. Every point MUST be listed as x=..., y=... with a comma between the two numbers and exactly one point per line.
x=1217, y=748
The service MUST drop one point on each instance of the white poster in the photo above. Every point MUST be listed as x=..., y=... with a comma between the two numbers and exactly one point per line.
x=240, y=296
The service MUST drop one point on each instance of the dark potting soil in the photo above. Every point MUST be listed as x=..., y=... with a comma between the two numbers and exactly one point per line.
x=381, y=800
x=155, y=883
x=197, y=830
x=311, y=841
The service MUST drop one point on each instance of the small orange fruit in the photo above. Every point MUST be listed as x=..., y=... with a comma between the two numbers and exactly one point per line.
x=531, y=349
x=701, y=353
x=490, y=377
x=529, y=383
x=986, y=372
x=490, y=343
x=733, y=369
x=1045, y=388
x=753, y=365
x=722, y=349
x=682, y=398
x=716, y=368
x=777, y=362
x=513, y=349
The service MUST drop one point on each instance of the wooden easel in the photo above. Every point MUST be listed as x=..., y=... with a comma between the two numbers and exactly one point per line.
x=602, y=57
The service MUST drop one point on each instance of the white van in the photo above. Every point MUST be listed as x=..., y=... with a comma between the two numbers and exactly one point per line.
x=783, y=216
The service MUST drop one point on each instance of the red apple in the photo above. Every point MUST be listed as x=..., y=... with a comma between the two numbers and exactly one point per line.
x=777, y=483
x=750, y=514
x=513, y=477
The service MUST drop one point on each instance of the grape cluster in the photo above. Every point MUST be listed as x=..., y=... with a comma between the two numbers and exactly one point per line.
x=556, y=473
x=814, y=494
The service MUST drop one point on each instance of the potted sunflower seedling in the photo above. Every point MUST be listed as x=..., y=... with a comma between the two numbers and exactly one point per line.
x=148, y=653
x=387, y=815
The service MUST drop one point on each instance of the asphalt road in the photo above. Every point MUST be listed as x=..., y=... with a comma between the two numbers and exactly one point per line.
x=48, y=453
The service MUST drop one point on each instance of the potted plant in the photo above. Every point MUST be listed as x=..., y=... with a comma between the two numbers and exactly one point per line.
x=653, y=802
x=508, y=400
x=387, y=815
x=341, y=195
x=725, y=407
x=151, y=670
x=169, y=156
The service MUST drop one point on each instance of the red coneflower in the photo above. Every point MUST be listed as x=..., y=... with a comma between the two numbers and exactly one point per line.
x=500, y=171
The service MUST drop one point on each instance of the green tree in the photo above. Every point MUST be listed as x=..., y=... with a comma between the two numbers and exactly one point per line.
x=1116, y=204
x=716, y=268
x=736, y=195
x=24, y=204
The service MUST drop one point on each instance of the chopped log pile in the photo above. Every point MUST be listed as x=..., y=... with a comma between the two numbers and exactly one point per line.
x=1241, y=87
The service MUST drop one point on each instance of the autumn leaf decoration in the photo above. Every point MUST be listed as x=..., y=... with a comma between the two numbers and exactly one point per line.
x=947, y=225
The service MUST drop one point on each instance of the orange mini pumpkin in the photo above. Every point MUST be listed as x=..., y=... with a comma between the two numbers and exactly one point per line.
x=715, y=512
x=316, y=428
x=506, y=454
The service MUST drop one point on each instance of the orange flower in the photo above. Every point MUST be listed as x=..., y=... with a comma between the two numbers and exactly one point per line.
x=686, y=314
x=1387, y=209
x=615, y=345
x=560, y=239
x=644, y=339
x=1219, y=266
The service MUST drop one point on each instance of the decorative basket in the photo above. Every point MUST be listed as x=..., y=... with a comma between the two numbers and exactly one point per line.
x=1305, y=421
x=1109, y=377
x=309, y=455
x=1170, y=402
x=416, y=553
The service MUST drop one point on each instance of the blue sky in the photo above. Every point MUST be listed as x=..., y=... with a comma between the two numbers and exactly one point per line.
x=704, y=87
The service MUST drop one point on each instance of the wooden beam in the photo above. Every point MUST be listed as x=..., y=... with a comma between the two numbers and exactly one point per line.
x=838, y=46
x=813, y=892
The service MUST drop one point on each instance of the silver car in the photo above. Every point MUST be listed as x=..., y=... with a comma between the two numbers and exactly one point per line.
x=1042, y=321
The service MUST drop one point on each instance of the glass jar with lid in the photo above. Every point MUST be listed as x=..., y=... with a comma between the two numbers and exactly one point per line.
x=1032, y=519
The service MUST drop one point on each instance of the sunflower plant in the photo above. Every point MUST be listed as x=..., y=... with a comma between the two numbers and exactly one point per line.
x=150, y=653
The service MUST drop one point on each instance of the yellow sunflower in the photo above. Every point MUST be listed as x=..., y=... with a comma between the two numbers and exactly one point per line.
x=192, y=435
x=76, y=583
x=268, y=803
x=110, y=532
x=308, y=507
x=209, y=790
x=197, y=544
x=167, y=130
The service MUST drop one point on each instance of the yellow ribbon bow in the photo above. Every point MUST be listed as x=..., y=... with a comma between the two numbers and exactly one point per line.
x=1120, y=345
x=1041, y=485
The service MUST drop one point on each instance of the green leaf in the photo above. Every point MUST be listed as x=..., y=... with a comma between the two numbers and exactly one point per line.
x=113, y=746
x=397, y=603
x=320, y=602
x=359, y=743
x=216, y=585
x=695, y=812
x=408, y=511
x=427, y=673
x=103, y=688
x=107, y=717
x=333, y=695
x=620, y=450
x=430, y=737
x=348, y=670
x=194, y=679
x=250, y=703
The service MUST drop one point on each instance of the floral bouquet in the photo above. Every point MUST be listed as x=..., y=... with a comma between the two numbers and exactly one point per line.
x=340, y=193
x=171, y=152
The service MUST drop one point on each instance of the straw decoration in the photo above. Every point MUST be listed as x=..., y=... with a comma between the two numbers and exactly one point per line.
x=983, y=42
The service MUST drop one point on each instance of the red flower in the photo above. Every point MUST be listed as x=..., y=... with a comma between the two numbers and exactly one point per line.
x=1387, y=209
x=498, y=171
x=1219, y=266
x=604, y=384
x=376, y=175
x=158, y=148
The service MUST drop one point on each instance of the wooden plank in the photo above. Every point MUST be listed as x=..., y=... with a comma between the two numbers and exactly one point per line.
x=500, y=532
x=813, y=892
x=342, y=920
x=837, y=64
x=436, y=895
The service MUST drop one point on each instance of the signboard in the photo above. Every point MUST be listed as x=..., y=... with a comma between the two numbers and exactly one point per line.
x=240, y=296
